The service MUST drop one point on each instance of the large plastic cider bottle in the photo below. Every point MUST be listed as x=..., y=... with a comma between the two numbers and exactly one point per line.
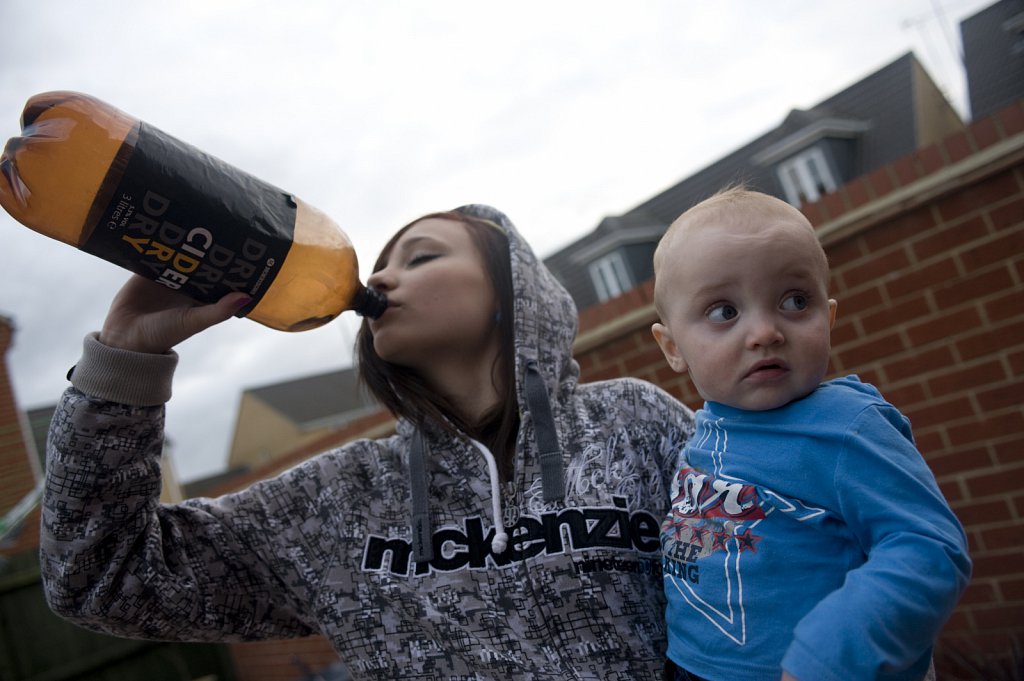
x=94, y=177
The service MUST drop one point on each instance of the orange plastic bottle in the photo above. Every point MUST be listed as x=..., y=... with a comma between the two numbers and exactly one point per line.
x=94, y=177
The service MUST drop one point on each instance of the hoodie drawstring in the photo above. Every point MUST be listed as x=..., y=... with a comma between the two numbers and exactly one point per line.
x=500, y=540
x=422, y=539
x=538, y=404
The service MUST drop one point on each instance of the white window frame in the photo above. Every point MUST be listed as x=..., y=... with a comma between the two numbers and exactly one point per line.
x=806, y=177
x=610, y=276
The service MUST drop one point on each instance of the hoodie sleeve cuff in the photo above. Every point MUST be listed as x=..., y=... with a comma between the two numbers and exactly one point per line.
x=136, y=379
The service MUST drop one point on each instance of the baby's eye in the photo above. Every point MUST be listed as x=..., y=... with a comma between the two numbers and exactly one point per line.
x=795, y=302
x=722, y=312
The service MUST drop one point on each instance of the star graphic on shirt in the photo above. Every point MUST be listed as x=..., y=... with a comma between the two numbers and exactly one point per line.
x=747, y=541
x=676, y=527
x=697, y=535
x=719, y=539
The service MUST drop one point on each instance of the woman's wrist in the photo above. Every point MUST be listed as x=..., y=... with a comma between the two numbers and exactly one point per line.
x=123, y=375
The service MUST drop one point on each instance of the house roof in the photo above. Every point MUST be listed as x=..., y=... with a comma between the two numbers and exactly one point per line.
x=880, y=103
x=993, y=44
x=316, y=400
x=881, y=111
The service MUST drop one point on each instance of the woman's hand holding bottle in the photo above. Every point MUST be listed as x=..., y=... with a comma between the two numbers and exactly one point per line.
x=148, y=317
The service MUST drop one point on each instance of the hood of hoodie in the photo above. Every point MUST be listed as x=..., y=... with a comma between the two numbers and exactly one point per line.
x=545, y=372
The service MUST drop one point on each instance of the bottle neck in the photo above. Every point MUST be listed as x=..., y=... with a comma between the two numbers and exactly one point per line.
x=369, y=302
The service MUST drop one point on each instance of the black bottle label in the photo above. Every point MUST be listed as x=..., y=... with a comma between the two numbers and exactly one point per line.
x=193, y=223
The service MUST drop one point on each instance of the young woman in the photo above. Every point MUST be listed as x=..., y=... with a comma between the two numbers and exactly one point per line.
x=508, y=530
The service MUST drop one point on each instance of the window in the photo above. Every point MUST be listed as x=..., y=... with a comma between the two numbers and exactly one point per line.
x=806, y=177
x=610, y=276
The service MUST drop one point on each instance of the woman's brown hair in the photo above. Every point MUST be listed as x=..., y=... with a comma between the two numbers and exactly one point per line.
x=404, y=392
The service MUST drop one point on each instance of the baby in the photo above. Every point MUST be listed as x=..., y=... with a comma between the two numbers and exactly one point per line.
x=807, y=537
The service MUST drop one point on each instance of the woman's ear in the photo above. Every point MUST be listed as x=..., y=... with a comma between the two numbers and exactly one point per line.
x=668, y=347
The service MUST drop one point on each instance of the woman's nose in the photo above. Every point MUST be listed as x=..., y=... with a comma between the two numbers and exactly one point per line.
x=381, y=280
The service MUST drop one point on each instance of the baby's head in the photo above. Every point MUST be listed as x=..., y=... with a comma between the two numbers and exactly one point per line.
x=741, y=287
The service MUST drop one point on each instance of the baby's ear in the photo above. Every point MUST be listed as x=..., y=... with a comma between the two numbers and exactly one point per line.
x=668, y=347
x=832, y=306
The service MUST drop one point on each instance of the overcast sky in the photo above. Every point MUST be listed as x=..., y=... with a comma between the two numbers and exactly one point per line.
x=377, y=111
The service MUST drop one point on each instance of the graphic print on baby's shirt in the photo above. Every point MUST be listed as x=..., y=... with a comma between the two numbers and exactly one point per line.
x=712, y=531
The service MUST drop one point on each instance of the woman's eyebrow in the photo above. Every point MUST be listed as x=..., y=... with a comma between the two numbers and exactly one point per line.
x=406, y=244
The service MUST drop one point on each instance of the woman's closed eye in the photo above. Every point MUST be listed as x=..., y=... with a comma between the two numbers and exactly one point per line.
x=420, y=258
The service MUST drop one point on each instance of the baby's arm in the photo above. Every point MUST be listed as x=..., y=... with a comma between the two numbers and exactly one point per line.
x=890, y=609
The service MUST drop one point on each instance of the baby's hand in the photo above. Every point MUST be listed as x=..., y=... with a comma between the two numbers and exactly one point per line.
x=786, y=676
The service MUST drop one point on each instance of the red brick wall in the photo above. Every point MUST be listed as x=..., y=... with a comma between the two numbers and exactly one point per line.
x=928, y=269
x=16, y=475
x=930, y=285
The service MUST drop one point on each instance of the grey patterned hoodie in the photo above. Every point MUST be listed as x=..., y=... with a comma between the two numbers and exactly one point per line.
x=329, y=547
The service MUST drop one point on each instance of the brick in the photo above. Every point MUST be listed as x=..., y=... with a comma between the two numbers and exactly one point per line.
x=609, y=354
x=878, y=267
x=920, y=279
x=858, y=193
x=833, y=205
x=1008, y=452
x=864, y=353
x=940, y=411
x=984, y=133
x=880, y=182
x=586, y=362
x=603, y=374
x=999, y=617
x=951, y=491
x=977, y=197
x=906, y=396
x=963, y=378
x=900, y=230
x=853, y=304
x=978, y=593
x=930, y=443
x=993, y=339
x=1002, y=481
x=985, y=429
x=962, y=461
x=929, y=159
x=943, y=326
x=1012, y=589
x=974, y=286
x=995, y=251
x=1004, y=537
x=643, y=361
x=845, y=252
x=981, y=513
x=993, y=565
x=905, y=170
x=1011, y=119
x=1000, y=397
x=1009, y=216
x=957, y=146
x=896, y=315
x=918, y=363
x=813, y=213
x=1016, y=361
x=940, y=241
